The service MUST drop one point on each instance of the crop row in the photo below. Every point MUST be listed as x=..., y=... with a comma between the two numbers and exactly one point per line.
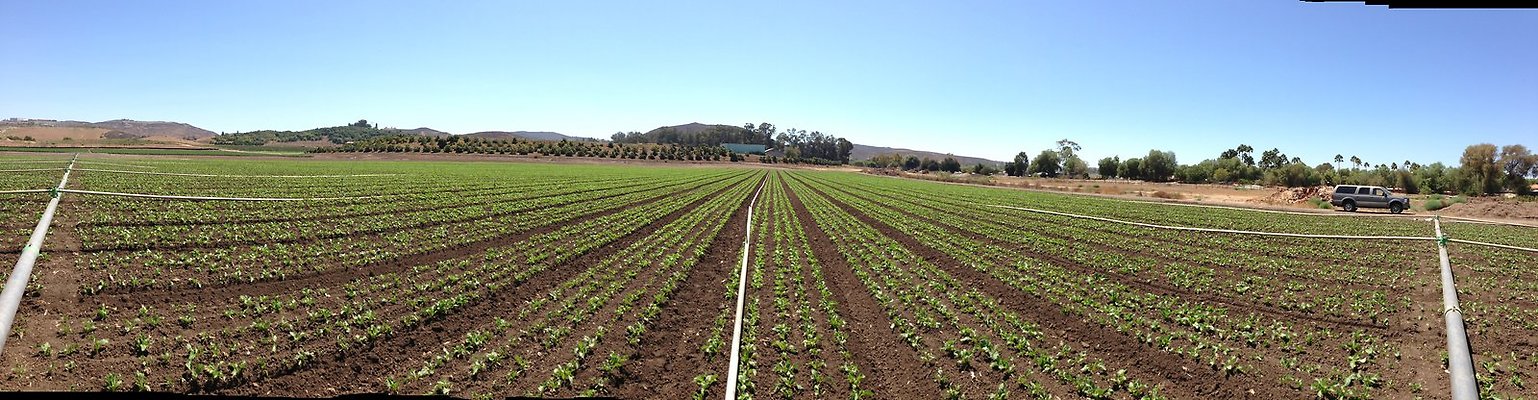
x=1166, y=317
x=796, y=345
x=980, y=340
x=256, y=337
x=406, y=236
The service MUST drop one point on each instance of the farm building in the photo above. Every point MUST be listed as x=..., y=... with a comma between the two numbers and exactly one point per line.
x=741, y=148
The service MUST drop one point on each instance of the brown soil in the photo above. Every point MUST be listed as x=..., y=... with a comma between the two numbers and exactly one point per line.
x=1495, y=208
x=893, y=368
x=669, y=357
x=428, y=224
x=340, y=374
x=1150, y=286
x=1180, y=377
x=1416, y=332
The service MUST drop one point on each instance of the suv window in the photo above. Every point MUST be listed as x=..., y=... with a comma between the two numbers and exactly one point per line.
x=1377, y=192
x=1361, y=190
x=1345, y=190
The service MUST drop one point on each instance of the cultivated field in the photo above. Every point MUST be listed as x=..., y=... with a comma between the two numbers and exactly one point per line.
x=491, y=279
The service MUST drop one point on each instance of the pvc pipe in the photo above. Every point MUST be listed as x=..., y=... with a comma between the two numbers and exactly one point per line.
x=1504, y=246
x=232, y=176
x=16, y=285
x=1187, y=228
x=116, y=164
x=1459, y=363
x=171, y=197
x=742, y=285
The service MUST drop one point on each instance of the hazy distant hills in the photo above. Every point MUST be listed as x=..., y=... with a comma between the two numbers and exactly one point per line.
x=527, y=135
x=865, y=152
x=860, y=152
x=133, y=129
x=120, y=128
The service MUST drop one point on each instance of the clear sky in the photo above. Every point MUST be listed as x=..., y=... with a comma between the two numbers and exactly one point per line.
x=972, y=78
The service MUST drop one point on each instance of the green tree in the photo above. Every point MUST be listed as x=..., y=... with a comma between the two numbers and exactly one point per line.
x=912, y=163
x=1159, y=166
x=1108, y=167
x=1435, y=178
x=1075, y=167
x=984, y=169
x=1047, y=164
x=1272, y=159
x=950, y=165
x=1481, y=173
x=1131, y=168
x=844, y=147
x=1066, y=149
x=1019, y=166
x=1517, y=163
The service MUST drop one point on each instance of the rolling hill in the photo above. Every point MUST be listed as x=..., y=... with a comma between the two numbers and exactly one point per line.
x=865, y=152
x=52, y=131
x=119, y=128
x=527, y=135
x=860, y=152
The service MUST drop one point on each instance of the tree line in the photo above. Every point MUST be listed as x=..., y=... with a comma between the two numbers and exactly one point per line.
x=472, y=145
x=336, y=134
x=711, y=136
x=916, y=164
x=1483, y=169
x=792, y=145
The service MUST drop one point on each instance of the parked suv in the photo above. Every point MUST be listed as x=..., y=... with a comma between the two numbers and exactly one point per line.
x=1349, y=197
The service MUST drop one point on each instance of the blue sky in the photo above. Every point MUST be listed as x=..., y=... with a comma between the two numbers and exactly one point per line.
x=973, y=78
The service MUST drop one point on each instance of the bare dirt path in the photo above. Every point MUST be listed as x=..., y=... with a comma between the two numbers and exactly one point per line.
x=1178, y=376
x=341, y=374
x=670, y=356
x=893, y=368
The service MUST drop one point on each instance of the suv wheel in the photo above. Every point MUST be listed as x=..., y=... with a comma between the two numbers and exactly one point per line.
x=1395, y=208
x=1349, y=206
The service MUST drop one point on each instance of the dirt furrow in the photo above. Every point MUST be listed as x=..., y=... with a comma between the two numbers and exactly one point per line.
x=893, y=369
x=360, y=233
x=1133, y=281
x=1180, y=377
x=670, y=356
x=341, y=372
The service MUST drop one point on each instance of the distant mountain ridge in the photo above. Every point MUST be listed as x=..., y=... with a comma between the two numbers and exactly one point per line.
x=124, y=127
x=128, y=128
x=527, y=135
x=866, y=152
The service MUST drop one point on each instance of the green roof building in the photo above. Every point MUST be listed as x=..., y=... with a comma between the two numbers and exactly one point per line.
x=740, y=148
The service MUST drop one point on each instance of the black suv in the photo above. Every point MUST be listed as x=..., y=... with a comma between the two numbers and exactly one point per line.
x=1350, y=197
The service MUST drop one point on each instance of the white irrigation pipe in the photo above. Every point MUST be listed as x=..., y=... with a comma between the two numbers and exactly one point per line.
x=1459, y=363
x=1504, y=246
x=1187, y=228
x=171, y=197
x=1298, y=235
x=1486, y=221
x=115, y=164
x=31, y=169
x=232, y=176
x=16, y=285
x=742, y=285
x=25, y=191
x=1325, y=214
x=1267, y=210
x=33, y=161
